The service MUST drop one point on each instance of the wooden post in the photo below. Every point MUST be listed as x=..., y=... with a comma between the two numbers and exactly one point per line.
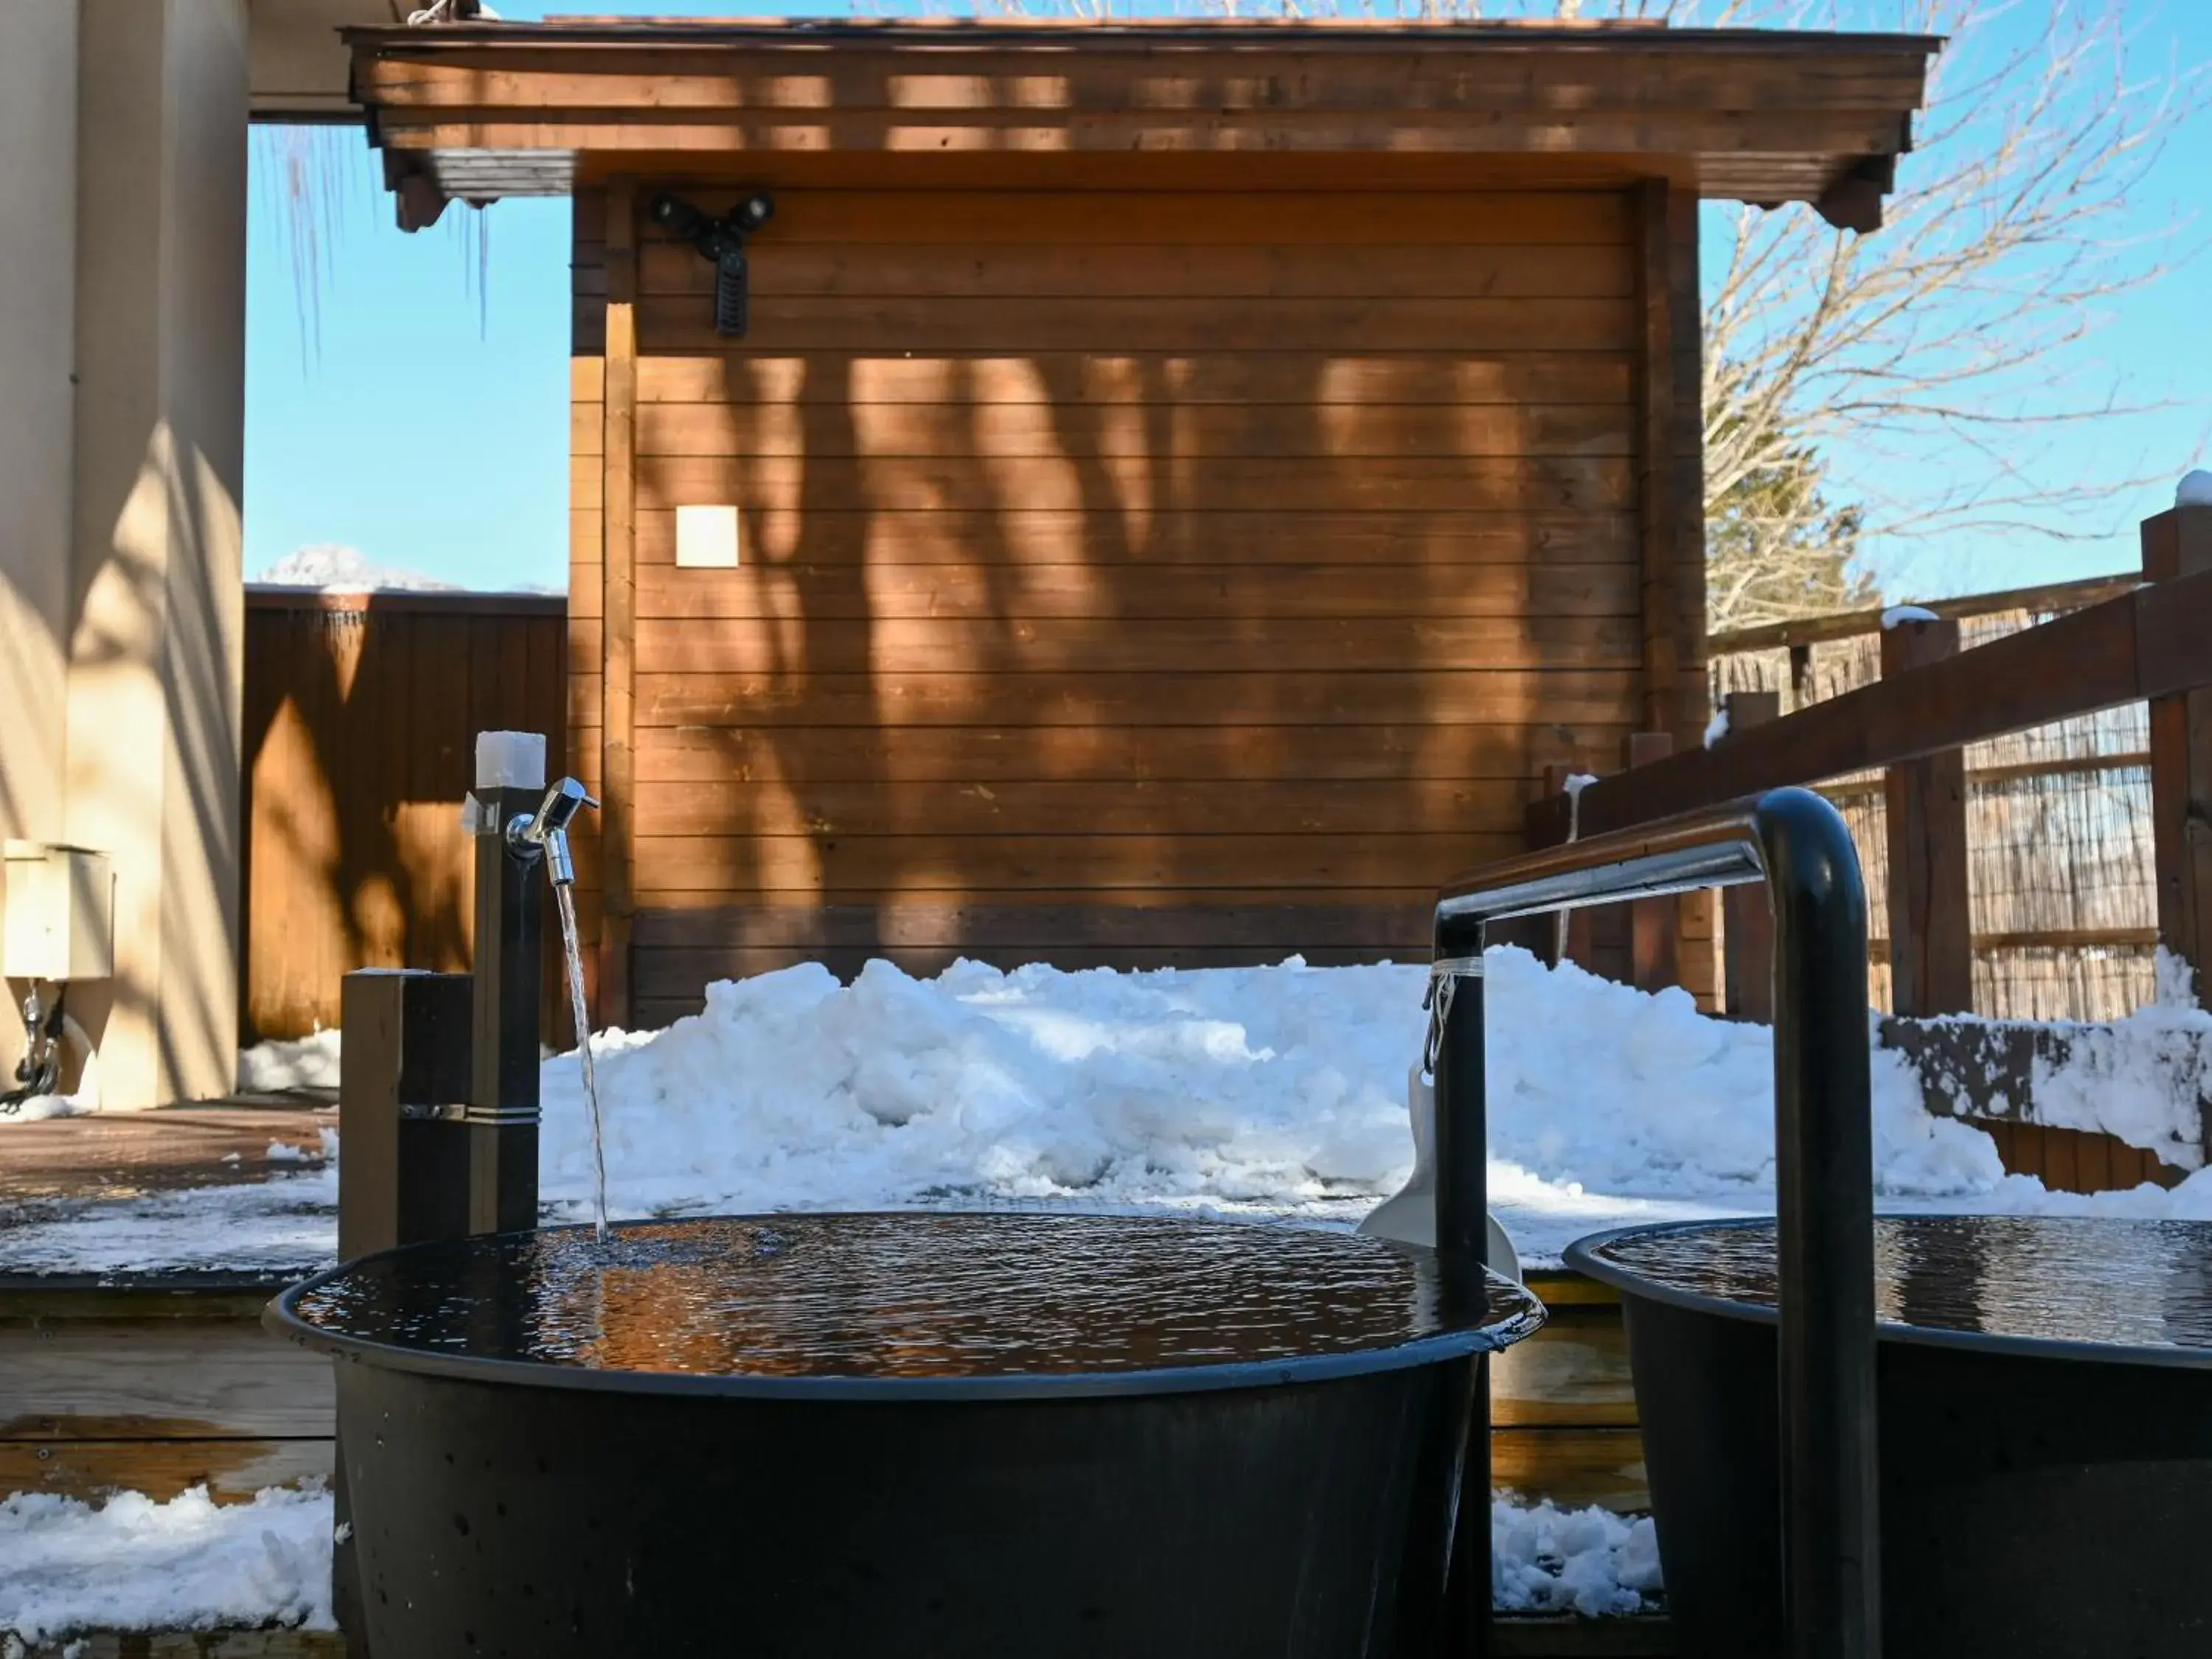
x=618, y=611
x=1801, y=676
x=1540, y=934
x=2175, y=545
x=1931, y=946
x=1746, y=923
x=1655, y=490
x=1654, y=953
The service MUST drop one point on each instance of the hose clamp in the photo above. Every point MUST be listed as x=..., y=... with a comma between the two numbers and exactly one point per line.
x=1445, y=975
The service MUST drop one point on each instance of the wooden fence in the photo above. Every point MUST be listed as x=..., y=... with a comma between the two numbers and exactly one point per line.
x=360, y=716
x=2060, y=910
x=2144, y=642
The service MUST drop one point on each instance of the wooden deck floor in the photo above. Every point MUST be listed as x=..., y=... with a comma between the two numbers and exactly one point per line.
x=126, y=1153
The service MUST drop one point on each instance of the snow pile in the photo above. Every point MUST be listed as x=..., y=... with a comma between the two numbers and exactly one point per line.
x=337, y=569
x=1591, y=1562
x=307, y=1062
x=191, y=1564
x=1279, y=1089
x=1598, y=1087
x=1898, y=615
x=1718, y=728
x=1260, y=1091
x=2194, y=490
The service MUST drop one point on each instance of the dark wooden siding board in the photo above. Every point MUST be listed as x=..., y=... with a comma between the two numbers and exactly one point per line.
x=1692, y=707
x=1143, y=647
x=1295, y=374
x=1324, y=754
x=1655, y=474
x=1178, y=856
x=1072, y=218
x=680, y=951
x=954, y=486
x=1374, y=925
x=1041, y=700
x=1699, y=960
x=855, y=807
x=671, y=983
x=782, y=267
x=1259, y=539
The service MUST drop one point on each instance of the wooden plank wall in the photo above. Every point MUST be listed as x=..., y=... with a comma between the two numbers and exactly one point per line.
x=360, y=716
x=1128, y=578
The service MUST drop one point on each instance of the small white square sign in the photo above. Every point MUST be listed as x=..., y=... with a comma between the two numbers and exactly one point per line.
x=706, y=537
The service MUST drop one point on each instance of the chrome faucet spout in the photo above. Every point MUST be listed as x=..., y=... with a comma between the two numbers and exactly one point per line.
x=546, y=831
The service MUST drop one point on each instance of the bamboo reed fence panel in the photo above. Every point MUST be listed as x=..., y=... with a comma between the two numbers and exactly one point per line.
x=2064, y=904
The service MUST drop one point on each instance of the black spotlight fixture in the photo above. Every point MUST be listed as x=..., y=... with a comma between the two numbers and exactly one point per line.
x=723, y=241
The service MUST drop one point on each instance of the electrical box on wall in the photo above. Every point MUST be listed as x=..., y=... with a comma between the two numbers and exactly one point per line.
x=56, y=913
x=706, y=537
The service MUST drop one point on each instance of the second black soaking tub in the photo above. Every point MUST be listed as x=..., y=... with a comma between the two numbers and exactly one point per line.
x=919, y=1434
x=2043, y=1389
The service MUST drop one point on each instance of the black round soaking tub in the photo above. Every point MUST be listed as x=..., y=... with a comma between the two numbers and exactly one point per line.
x=925, y=1434
x=2044, y=1418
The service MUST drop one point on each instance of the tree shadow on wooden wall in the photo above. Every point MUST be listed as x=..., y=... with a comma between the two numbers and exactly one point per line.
x=361, y=717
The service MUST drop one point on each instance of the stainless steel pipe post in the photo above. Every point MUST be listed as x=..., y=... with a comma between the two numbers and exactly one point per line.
x=1797, y=844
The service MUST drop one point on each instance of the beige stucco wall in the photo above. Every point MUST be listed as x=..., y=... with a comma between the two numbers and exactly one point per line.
x=38, y=265
x=37, y=286
x=122, y=357
x=151, y=768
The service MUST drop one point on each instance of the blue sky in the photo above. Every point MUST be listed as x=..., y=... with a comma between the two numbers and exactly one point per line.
x=421, y=417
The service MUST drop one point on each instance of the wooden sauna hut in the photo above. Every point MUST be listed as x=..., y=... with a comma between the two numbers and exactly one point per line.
x=1156, y=493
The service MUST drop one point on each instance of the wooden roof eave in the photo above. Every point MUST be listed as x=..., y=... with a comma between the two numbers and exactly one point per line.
x=483, y=111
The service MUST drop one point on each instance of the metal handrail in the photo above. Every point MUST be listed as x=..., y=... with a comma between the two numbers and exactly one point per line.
x=1797, y=844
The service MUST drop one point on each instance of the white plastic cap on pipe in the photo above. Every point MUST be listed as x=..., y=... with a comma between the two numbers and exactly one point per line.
x=510, y=760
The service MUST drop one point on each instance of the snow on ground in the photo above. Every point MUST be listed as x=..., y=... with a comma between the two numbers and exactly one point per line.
x=1253, y=1091
x=307, y=1062
x=39, y=1108
x=1591, y=1561
x=286, y=1225
x=132, y=1564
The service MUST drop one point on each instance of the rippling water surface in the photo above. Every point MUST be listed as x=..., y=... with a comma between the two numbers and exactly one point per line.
x=908, y=1295
x=2144, y=1284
